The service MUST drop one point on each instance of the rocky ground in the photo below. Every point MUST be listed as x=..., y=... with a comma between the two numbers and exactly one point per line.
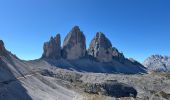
x=39, y=80
x=153, y=86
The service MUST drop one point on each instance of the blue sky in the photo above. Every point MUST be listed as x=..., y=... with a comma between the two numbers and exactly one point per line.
x=138, y=28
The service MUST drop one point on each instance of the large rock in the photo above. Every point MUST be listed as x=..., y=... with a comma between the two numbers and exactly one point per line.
x=157, y=63
x=111, y=88
x=101, y=48
x=52, y=49
x=74, y=46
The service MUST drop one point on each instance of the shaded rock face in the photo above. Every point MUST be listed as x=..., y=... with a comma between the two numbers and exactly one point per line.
x=74, y=46
x=117, y=55
x=52, y=49
x=157, y=63
x=111, y=88
x=2, y=47
x=101, y=48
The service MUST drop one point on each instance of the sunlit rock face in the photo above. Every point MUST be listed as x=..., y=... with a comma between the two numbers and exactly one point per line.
x=101, y=48
x=74, y=46
x=52, y=49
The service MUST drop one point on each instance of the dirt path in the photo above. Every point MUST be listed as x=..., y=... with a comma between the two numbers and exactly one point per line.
x=19, y=78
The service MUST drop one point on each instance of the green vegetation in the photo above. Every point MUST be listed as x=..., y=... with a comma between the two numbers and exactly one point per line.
x=164, y=95
x=165, y=74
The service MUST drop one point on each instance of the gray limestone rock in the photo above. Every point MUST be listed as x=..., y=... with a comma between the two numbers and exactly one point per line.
x=52, y=49
x=157, y=63
x=74, y=46
x=101, y=48
x=111, y=88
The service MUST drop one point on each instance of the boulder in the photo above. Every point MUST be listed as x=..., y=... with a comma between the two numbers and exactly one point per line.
x=101, y=48
x=111, y=88
x=52, y=49
x=74, y=46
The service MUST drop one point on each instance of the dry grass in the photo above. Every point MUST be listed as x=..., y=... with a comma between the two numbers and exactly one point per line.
x=87, y=96
x=164, y=95
x=165, y=74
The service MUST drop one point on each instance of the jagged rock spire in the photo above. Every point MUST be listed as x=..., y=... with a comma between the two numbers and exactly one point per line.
x=74, y=46
x=2, y=47
x=101, y=48
x=52, y=49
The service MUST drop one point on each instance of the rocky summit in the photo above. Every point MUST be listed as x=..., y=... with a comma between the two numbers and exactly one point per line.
x=158, y=63
x=2, y=48
x=101, y=48
x=74, y=46
x=52, y=49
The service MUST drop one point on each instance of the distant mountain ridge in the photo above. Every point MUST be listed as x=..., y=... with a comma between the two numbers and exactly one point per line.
x=158, y=63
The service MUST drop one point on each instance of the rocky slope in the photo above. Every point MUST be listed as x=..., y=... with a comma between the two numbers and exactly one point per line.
x=21, y=81
x=157, y=63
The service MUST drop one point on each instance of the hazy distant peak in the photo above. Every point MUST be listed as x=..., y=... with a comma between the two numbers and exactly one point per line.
x=157, y=63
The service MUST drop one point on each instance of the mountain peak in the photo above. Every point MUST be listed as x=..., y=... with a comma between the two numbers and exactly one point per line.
x=76, y=28
x=157, y=63
x=101, y=48
x=74, y=46
x=52, y=49
x=2, y=47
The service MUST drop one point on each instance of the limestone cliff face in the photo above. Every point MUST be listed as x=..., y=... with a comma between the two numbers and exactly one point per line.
x=74, y=46
x=101, y=48
x=52, y=49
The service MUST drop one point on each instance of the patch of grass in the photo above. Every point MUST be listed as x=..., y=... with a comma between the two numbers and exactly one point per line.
x=164, y=95
x=87, y=96
x=165, y=74
x=129, y=98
